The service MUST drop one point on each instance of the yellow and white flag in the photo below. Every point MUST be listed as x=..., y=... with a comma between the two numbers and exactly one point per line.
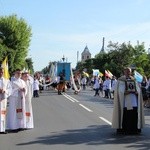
x=100, y=74
x=5, y=66
x=86, y=74
x=110, y=74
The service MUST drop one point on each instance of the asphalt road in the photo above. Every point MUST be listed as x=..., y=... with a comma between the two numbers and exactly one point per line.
x=74, y=122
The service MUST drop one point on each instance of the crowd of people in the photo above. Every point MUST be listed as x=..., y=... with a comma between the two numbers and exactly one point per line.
x=15, y=102
x=105, y=87
x=128, y=96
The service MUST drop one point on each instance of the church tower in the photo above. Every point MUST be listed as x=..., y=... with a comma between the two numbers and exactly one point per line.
x=103, y=44
x=85, y=54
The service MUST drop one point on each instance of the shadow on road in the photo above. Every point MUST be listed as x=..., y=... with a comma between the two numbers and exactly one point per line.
x=94, y=135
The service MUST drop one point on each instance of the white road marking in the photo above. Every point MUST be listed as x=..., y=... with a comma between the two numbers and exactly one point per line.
x=105, y=120
x=86, y=108
x=74, y=100
x=69, y=97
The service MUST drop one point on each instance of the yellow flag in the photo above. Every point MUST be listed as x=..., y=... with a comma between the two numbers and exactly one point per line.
x=86, y=74
x=100, y=74
x=5, y=66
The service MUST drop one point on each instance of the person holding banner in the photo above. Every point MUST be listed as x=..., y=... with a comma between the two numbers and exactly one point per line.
x=61, y=84
x=76, y=85
x=128, y=115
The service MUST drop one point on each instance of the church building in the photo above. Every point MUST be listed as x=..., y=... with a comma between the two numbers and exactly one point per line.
x=85, y=54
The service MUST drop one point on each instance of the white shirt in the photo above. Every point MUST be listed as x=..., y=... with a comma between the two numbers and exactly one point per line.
x=96, y=84
x=108, y=84
x=1, y=83
x=83, y=80
x=132, y=98
x=36, y=85
x=113, y=84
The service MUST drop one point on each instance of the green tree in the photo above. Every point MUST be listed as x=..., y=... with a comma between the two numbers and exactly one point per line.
x=80, y=66
x=147, y=67
x=140, y=58
x=101, y=61
x=2, y=46
x=120, y=55
x=16, y=42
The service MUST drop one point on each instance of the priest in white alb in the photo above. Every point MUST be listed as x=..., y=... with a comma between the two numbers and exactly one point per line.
x=28, y=99
x=16, y=117
x=5, y=90
x=128, y=113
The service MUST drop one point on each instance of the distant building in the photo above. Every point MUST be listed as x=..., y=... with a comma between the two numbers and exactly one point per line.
x=85, y=54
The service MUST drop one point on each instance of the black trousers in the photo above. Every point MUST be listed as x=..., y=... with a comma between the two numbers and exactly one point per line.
x=130, y=120
x=35, y=93
x=96, y=92
x=108, y=93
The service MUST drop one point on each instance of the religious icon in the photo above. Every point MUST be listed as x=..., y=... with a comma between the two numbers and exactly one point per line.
x=130, y=86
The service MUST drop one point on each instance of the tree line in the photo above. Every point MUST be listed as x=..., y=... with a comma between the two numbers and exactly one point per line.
x=117, y=56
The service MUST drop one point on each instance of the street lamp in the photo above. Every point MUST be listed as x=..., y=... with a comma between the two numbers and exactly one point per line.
x=63, y=58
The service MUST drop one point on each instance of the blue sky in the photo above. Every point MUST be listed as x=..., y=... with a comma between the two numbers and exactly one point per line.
x=63, y=27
